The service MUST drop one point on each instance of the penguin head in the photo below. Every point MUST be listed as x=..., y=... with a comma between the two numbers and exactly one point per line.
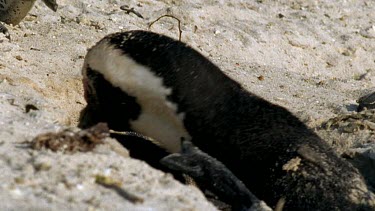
x=129, y=95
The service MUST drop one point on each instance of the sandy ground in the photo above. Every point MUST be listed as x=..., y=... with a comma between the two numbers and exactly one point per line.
x=313, y=57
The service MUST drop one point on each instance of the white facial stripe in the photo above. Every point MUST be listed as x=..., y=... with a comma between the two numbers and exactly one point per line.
x=159, y=118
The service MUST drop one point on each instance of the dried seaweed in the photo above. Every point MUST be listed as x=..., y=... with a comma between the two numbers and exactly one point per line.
x=70, y=141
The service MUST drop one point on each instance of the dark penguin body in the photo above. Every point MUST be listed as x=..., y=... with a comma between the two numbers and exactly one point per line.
x=163, y=89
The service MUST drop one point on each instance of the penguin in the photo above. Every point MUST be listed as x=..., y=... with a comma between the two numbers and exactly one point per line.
x=161, y=88
x=13, y=11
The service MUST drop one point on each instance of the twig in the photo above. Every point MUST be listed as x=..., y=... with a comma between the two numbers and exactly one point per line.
x=169, y=16
x=116, y=186
x=131, y=10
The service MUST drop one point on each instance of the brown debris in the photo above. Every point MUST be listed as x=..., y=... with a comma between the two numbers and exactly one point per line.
x=70, y=141
x=280, y=204
x=353, y=122
x=292, y=165
x=115, y=185
x=131, y=10
x=29, y=107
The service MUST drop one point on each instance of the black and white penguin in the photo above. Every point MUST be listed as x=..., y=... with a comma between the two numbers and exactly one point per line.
x=161, y=88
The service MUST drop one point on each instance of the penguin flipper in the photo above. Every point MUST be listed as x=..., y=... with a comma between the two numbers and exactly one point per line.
x=211, y=174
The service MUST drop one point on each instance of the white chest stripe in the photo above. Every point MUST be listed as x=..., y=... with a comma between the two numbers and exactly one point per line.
x=159, y=118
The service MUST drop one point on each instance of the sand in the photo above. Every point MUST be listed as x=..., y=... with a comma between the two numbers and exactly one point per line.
x=315, y=58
